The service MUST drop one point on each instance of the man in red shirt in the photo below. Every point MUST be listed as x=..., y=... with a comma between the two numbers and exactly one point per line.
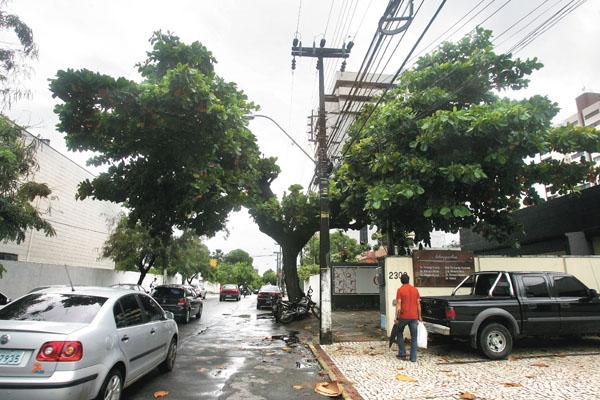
x=408, y=312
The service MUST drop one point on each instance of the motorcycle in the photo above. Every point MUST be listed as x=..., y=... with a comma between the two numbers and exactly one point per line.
x=286, y=311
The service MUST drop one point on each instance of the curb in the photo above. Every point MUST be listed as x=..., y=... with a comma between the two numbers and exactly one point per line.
x=348, y=390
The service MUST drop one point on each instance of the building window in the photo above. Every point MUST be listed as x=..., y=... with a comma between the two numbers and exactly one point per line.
x=595, y=124
x=9, y=257
x=592, y=114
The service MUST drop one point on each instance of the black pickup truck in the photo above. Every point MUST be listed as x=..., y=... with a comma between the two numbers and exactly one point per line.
x=494, y=308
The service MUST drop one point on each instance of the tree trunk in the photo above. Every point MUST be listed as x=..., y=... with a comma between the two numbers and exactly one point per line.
x=292, y=282
x=143, y=272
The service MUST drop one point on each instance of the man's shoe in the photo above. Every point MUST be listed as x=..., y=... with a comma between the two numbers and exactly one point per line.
x=401, y=356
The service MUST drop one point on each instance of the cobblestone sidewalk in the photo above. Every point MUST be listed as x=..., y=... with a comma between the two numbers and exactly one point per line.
x=553, y=369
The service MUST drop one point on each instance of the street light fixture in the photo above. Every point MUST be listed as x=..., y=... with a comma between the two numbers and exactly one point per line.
x=252, y=116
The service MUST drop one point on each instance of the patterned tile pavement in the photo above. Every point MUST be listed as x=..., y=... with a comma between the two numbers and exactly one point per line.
x=538, y=369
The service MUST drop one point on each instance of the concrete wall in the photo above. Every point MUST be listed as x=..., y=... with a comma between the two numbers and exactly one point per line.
x=21, y=277
x=314, y=282
x=585, y=268
x=81, y=226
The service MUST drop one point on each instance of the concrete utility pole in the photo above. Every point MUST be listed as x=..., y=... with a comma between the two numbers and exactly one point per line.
x=321, y=53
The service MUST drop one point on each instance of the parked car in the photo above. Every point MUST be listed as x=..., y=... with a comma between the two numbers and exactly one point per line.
x=229, y=291
x=267, y=296
x=499, y=307
x=178, y=299
x=201, y=290
x=87, y=343
x=4, y=299
x=195, y=290
x=40, y=288
x=129, y=286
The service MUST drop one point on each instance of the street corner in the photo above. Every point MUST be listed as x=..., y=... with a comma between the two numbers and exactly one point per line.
x=549, y=369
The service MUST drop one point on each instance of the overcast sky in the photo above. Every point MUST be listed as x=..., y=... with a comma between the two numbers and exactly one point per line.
x=251, y=41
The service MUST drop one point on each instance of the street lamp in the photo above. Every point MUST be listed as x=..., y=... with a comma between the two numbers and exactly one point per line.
x=252, y=116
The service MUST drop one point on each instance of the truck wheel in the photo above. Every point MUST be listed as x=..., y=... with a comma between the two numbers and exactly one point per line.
x=495, y=341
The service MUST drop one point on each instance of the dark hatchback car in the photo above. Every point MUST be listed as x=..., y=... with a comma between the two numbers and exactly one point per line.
x=267, y=296
x=179, y=300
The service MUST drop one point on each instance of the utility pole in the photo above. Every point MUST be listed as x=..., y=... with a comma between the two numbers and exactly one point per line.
x=320, y=53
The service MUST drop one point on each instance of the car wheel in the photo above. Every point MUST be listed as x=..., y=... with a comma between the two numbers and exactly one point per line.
x=169, y=362
x=186, y=317
x=199, y=314
x=220, y=298
x=112, y=387
x=495, y=341
x=258, y=306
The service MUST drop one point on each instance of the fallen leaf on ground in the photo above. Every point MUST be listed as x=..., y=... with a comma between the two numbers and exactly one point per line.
x=298, y=387
x=511, y=358
x=405, y=378
x=540, y=364
x=401, y=369
x=159, y=394
x=467, y=396
x=530, y=376
x=511, y=384
x=202, y=369
x=220, y=367
x=445, y=359
x=445, y=370
x=286, y=349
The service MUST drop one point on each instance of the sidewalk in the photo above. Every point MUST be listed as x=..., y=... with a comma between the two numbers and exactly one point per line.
x=538, y=369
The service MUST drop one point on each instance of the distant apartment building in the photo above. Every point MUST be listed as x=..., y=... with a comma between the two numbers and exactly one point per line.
x=81, y=227
x=588, y=114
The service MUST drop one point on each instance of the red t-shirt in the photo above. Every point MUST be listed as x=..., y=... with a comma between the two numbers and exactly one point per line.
x=409, y=297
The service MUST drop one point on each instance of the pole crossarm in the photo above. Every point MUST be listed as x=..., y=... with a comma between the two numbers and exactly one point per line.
x=320, y=52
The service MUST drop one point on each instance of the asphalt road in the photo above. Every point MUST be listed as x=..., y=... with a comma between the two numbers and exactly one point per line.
x=235, y=352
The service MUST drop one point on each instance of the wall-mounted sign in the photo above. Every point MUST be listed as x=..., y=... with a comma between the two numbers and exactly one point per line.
x=441, y=268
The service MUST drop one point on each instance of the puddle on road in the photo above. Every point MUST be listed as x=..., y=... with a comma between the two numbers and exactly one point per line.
x=264, y=316
x=222, y=374
x=292, y=338
x=242, y=316
x=226, y=313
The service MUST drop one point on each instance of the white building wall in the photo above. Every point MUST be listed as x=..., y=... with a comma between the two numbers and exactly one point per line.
x=81, y=227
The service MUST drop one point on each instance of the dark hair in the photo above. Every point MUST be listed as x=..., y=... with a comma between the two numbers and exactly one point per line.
x=404, y=278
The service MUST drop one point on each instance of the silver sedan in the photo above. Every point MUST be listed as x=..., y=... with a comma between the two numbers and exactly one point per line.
x=86, y=343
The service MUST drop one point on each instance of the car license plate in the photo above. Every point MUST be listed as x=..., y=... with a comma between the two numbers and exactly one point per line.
x=11, y=357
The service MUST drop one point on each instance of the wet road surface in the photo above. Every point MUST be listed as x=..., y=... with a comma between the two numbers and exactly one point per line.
x=235, y=352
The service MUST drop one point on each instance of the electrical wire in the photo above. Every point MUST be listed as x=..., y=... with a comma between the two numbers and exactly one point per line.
x=421, y=36
x=328, y=17
x=348, y=109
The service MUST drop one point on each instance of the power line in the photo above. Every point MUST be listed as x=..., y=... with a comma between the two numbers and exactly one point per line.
x=437, y=12
x=372, y=88
x=328, y=17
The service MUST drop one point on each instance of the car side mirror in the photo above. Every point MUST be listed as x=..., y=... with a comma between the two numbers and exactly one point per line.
x=169, y=315
x=592, y=293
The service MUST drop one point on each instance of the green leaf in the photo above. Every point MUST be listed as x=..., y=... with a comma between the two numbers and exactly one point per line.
x=428, y=213
x=444, y=211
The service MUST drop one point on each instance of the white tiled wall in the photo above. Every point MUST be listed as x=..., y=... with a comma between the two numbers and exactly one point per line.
x=81, y=226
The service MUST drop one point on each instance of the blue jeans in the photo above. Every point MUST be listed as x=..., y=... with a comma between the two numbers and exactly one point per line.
x=412, y=326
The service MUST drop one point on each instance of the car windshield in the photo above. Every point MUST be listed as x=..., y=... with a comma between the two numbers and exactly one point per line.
x=229, y=287
x=165, y=291
x=53, y=307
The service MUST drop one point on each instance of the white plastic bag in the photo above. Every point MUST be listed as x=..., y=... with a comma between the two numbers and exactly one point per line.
x=421, y=335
